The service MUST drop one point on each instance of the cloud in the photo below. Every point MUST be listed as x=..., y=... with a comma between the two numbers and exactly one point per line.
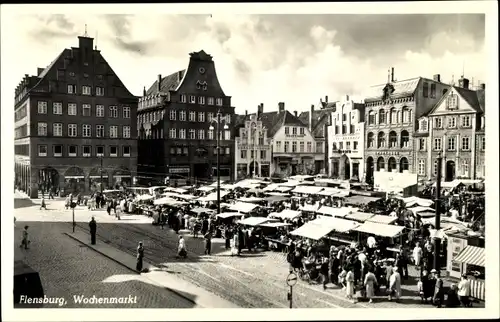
x=52, y=26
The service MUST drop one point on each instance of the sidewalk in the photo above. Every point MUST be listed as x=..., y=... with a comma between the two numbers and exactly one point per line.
x=158, y=276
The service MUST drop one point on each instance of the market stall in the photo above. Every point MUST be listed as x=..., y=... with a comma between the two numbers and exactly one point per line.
x=201, y=210
x=312, y=230
x=388, y=232
x=307, y=190
x=336, y=212
x=357, y=200
x=286, y=214
x=359, y=216
x=309, y=208
x=341, y=229
x=169, y=202
x=416, y=201
x=255, y=221
x=243, y=207
x=212, y=196
x=382, y=219
x=275, y=235
x=472, y=260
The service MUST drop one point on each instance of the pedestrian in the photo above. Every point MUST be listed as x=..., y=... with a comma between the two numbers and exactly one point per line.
x=227, y=237
x=324, y=271
x=452, y=299
x=417, y=254
x=208, y=243
x=93, y=230
x=464, y=291
x=161, y=219
x=350, y=287
x=395, y=285
x=43, y=205
x=438, y=297
x=370, y=282
x=182, y=252
x=140, y=257
x=25, y=239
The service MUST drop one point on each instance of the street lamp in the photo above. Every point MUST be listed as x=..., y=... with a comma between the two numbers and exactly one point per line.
x=437, y=223
x=217, y=133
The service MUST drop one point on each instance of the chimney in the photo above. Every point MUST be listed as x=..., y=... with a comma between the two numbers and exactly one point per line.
x=85, y=42
x=180, y=74
x=246, y=112
x=39, y=71
x=260, y=109
x=483, y=86
x=144, y=91
x=463, y=82
x=295, y=113
x=437, y=78
x=347, y=98
x=311, y=117
x=326, y=98
x=281, y=107
x=392, y=75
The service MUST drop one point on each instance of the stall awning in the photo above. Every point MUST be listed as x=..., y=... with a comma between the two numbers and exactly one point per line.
x=471, y=255
x=380, y=229
x=382, y=219
x=254, y=221
x=342, y=193
x=228, y=214
x=180, y=190
x=186, y=197
x=213, y=196
x=307, y=189
x=329, y=211
x=290, y=183
x=251, y=199
x=312, y=230
x=275, y=198
x=244, y=207
x=283, y=189
x=309, y=208
x=200, y=210
x=168, y=201
x=206, y=188
x=228, y=186
x=336, y=212
x=420, y=209
x=337, y=224
x=274, y=224
x=144, y=197
x=359, y=216
x=360, y=200
x=248, y=183
x=286, y=214
x=328, y=192
x=449, y=184
x=411, y=201
x=271, y=187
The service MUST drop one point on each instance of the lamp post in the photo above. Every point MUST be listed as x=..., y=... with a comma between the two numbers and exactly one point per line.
x=437, y=223
x=217, y=133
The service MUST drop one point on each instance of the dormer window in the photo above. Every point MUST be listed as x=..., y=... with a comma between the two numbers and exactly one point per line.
x=423, y=125
x=183, y=98
x=452, y=102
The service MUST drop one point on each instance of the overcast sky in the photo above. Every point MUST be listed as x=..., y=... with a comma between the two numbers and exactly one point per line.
x=262, y=58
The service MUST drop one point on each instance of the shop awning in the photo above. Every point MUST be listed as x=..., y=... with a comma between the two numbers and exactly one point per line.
x=380, y=229
x=359, y=216
x=91, y=177
x=286, y=214
x=276, y=198
x=213, y=196
x=310, y=190
x=206, y=188
x=200, y=210
x=274, y=224
x=309, y=208
x=251, y=199
x=471, y=255
x=312, y=230
x=336, y=224
x=254, y=221
x=228, y=214
x=360, y=200
x=244, y=207
x=382, y=219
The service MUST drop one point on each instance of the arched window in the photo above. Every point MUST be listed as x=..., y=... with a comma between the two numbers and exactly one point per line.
x=380, y=164
x=392, y=164
x=371, y=118
x=465, y=168
x=406, y=115
x=421, y=167
x=393, y=140
x=381, y=117
x=405, y=139
x=394, y=116
x=381, y=140
x=403, y=164
x=334, y=147
x=371, y=140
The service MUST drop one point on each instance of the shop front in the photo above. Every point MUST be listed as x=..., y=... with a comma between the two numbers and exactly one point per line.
x=74, y=181
x=179, y=175
x=265, y=169
x=241, y=171
x=122, y=178
x=95, y=181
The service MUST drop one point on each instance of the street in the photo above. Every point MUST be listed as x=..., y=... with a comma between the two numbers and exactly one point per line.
x=252, y=280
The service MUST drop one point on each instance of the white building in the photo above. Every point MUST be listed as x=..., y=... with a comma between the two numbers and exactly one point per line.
x=346, y=135
x=252, y=146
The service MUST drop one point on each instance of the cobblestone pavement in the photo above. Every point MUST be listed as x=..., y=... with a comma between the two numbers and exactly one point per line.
x=67, y=269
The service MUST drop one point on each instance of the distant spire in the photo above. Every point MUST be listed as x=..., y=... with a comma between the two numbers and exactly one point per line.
x=85, y=35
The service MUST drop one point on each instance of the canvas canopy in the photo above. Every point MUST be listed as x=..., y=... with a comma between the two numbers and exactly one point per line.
x=285, y=214
x=312, y=230
x=382, y=219
x=328, y=191
x=213, y=196
x=337, y=224
x=228, y=214
x=359, y=216
x=271, y=187
x=251, y=199
x=254, y=221
x=274, y=224
x=145, y=197
x=244, y=207
x=206, y=188
x=380, y=229
x=471, y=255
x=420, y=209
x=275, y=198
x=309, y=208
x=290, y=183
x=200, y=210
x=307, y=189
x=360, y=200
x=283, y=189
x=168, y=201
x=411, y=201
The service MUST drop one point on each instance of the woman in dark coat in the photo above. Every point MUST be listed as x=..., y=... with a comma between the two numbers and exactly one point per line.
x=452, y=299
x=140, y=257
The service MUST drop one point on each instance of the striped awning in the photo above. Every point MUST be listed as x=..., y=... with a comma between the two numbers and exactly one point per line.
x=471, y=255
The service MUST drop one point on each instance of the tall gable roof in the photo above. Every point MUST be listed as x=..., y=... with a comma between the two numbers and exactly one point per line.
x=401, y=89
x=168, y=83
x=475, y=99
x=319, y=117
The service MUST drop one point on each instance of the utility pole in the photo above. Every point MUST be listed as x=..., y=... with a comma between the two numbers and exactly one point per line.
x=218, y=162
x=437, y=224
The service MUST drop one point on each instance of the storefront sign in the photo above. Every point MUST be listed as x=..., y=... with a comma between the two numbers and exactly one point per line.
x=178, y=170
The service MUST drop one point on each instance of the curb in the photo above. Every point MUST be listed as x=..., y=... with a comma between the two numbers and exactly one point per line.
x=130, y=269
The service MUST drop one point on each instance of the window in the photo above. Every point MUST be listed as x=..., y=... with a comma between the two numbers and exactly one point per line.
x=42, y=150
x=465, y=168
x=99, y=110
x=355, y=145
x=57, y=129
x=173, y=115
x=182, y=134
x=99, y=91
x=348, y=146
x=278, y=146
x=201, y=100
x=113, y=151
x=371, y=118
x=86, y=151
x=421, y=144
x=294, y=130
x=451, y=144
x=309, y=147
x=201, y=117
x=72, y=130
x=228, y=151
x=301, y=131
x=426, y=89
x=99, y=131
x=71, y=89
x=182, y=115
x=210, y=101
x=227, y=135
x=183, y=98
x=185, y=150
x=58, y=150
x=352, y=129
x=344, y=117
x=423, y=125
x=192, y=99
x=439, y=122
x=86, y=90
x=86, y=110
x=210, y=134
x=371, y=140
x=433, y=90
x=72, y=150
x=381, y=117
x=42, y=129
x=126, y=151
x=243, y=154
x=172, y=133
x=437, y=144
x=57, y=108
x=435, y=167
x=466, y=121
x=113, y=131
x=87, y=130
x=192, y=116
x=483, y=143
x=219, y=102
x=452, y=102
x=406, y=115
x=294, y=147
x=113, y=111
x=99, y=151
x=394, y=116
x=341, y=146
x=201, y=134
x=42, y=107
x=465, y=144
x=72, y=109
x=421, y=167
x=452, y=122
x=210, y=116
x=344, y=129
x=126, y=131
x=287, y=147
x=126, y=112
x=287, y=130
x=319, y=147
x=301, y=146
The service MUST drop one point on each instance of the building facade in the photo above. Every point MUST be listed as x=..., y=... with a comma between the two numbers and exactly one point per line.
x=175, y=118
x=454, y=128
x=391, y=111
x=346, y=140
x=252, y=147
x=74, y=121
